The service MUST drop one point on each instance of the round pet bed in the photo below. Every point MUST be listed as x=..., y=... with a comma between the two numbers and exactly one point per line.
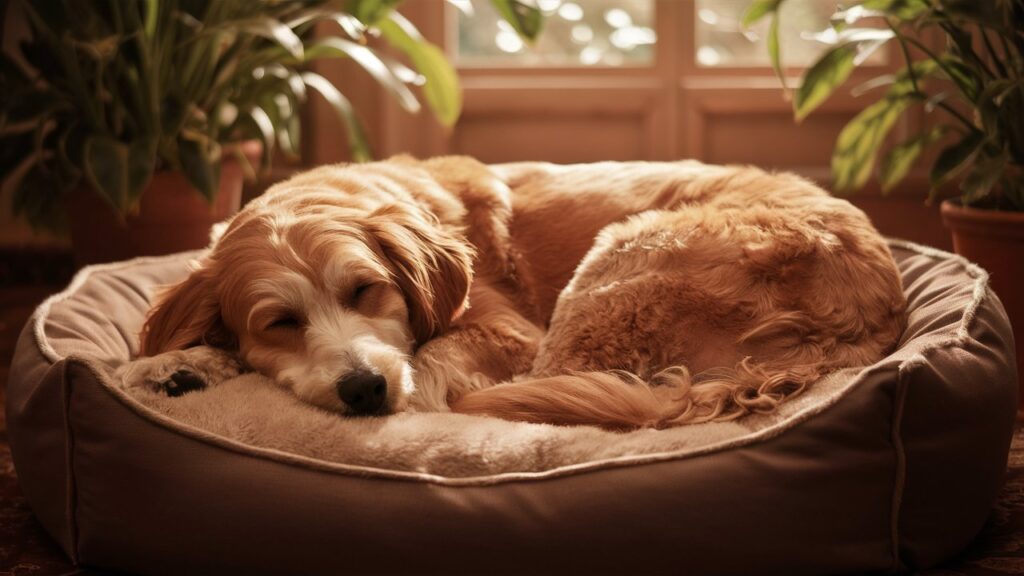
x=892, y=467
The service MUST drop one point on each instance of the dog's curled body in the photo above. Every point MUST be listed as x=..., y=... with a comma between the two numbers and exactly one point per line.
x=613, y=294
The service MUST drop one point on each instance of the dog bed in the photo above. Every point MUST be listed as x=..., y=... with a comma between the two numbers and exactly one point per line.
x=890, y=467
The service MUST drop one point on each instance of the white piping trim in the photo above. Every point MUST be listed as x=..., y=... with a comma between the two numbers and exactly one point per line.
x=41, y=313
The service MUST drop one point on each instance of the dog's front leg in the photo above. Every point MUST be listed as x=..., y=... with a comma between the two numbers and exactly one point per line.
x=477, y=353
x=179, y=371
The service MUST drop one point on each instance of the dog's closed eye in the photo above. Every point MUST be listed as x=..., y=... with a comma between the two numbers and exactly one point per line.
x=360, y=291
x=285, y=322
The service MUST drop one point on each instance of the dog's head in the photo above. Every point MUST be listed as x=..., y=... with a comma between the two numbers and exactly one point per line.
x=328, y=298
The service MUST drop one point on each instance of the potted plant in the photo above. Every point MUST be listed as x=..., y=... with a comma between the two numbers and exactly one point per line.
x=973, y=87
x=143, y=115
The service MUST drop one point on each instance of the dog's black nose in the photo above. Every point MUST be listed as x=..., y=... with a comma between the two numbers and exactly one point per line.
x=363, y=391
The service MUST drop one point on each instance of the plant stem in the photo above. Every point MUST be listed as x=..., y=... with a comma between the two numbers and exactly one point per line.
x=950, y=31
x=1009, y=53
x=970, y=125
x=906, y=56
x=939, y=61
x=913, y=80
x=997, y=62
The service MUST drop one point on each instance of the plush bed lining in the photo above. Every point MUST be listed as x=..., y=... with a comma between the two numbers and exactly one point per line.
x=977, y=295
x=487, y=480
x=43, y=312
x=771, y=431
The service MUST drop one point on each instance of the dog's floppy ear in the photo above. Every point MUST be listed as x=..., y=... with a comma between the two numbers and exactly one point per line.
x=186, y=314
x=433, y=266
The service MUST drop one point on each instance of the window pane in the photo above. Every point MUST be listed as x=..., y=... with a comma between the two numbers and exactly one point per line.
x=723, y=42
x=575, y=33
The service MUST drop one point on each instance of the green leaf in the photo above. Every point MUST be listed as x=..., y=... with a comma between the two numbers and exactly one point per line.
x=900, y=159
x=987, y=12
x=141, y=164
x=152, y=10
x=280, y=108
x=403, y=72
x=860, y=140
x=827, y=74
x=200, y=161
x=118, y=171
x=369, y=61
x=70, y=143
x=755, y=12
x=758, y=9
x=961, y=45
x=442, y=89
x=39, y=198
x=996, y=90
x=1012, y=186
x=986, y=171
x=356, y=137
x=347, y=22
x=98, y=49
x=1011, y=110
x=265, y=126
x=840, y=19
x=952, y=160
x=371, y=11
x=962, y=75
x=295, y=83
x=901, y=9
x=524, y=18
x=899, y=82
x=775, y=55
x=266, y=27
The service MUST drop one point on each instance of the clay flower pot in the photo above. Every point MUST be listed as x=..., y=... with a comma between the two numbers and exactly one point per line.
x=171, y=217
x=994, y=240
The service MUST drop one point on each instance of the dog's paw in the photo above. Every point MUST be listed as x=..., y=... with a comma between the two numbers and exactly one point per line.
x=179, y=372
x=182, y=382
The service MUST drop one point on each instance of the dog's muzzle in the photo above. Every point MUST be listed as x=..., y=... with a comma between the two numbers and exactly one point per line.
x=363, y=391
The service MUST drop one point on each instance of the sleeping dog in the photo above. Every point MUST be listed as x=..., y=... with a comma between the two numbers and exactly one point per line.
x=620, y=295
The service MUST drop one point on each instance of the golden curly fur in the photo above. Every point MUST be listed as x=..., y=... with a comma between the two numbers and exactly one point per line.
x=615, y=294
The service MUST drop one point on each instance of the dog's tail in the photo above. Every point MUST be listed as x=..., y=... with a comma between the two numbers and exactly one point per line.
x=621, y=400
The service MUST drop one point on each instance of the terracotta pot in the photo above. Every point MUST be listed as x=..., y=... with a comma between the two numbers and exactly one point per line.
x=172, y=217
x=995, y=241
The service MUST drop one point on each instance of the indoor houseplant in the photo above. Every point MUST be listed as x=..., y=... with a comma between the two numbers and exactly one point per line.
x=971, y=86
x=108, y=102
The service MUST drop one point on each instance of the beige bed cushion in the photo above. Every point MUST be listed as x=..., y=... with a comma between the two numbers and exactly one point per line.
x=894, y=466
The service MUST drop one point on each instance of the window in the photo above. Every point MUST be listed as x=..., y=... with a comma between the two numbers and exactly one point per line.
x=722, y=41
x=581, y=33
x=625, y=80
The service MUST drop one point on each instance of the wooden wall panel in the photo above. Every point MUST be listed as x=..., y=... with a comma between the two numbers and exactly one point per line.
x=770, y=140
x=905, y=216
x=554, y=138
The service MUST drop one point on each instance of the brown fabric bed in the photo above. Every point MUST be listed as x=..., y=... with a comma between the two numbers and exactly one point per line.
x=887, y=468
